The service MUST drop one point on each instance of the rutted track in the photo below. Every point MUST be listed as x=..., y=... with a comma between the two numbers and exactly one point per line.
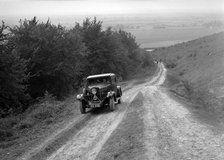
x=161, y=128
x=87, y=143
x=149, y=124
x=85, y=135
x=128, y=140
x=155, y=127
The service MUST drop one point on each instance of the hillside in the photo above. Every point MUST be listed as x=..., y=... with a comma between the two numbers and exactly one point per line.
x=199, y=61
x=196, y=77
x=149, y=123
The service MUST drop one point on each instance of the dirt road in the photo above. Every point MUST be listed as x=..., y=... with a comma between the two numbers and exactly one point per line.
x=149, y=124
x=87, y=143
x=173, y=132
x=170, y=130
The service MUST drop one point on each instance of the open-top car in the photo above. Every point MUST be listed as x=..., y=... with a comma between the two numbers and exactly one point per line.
x=99, y=91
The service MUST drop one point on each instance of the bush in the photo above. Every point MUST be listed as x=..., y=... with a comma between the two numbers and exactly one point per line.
x=13, y=77
x=54, y=55
x=38, y=57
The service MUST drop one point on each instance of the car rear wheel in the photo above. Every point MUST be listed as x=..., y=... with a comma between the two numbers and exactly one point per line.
x=112, y=104
x=82, y=107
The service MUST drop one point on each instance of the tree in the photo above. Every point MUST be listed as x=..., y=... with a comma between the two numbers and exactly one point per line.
x=108, y=50
x=128, y=40
x=54, y=53
x=12, y=76
x=38, y=57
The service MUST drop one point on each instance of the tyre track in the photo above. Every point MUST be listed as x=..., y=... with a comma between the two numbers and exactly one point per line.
x=84, y=137
x=172, y=133
x=87, y=143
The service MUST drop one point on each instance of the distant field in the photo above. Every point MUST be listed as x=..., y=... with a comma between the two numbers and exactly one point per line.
x=153, y=38
x=151, y=31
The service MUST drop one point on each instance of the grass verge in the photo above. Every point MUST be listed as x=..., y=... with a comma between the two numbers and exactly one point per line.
x=201, y=99
x=19, y=133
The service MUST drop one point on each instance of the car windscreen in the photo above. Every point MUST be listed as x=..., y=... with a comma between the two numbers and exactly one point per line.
x=98, y=80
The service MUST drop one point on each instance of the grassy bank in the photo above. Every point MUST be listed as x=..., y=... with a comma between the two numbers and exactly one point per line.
x=200, y=99
x=19, y=133
x=195, y=71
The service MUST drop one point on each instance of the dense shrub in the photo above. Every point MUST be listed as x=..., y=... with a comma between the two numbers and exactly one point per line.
x=12, y=76
x=54, y=55
x=40, y=57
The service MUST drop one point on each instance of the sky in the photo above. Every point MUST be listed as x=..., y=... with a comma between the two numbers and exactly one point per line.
x=97, y=7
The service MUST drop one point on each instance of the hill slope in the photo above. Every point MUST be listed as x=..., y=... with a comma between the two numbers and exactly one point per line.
x=200, y=62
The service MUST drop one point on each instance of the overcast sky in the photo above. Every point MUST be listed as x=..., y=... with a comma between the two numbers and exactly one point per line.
x=69, y=7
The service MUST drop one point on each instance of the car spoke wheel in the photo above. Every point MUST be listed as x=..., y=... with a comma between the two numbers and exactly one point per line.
x=112, y=104
x=82, y=107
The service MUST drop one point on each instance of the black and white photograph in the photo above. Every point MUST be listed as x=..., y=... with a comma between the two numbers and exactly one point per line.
x=111, y=79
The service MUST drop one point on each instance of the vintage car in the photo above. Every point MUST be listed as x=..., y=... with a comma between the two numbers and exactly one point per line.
x=99, y=91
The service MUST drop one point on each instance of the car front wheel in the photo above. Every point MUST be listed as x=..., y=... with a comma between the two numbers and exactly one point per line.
x=112, y=104
x=82, y=107
x=119, y=101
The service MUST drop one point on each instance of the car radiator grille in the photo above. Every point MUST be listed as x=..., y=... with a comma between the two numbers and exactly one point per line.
x=95, y=98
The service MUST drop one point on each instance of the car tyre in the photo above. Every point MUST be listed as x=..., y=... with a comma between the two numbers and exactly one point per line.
x=82, y=107
x=119, y=101
x=120, y=92
x=112, y=104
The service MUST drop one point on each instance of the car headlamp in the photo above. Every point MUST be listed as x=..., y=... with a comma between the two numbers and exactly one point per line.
x=79, y=96
x=109, y=94
x=93, y=91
